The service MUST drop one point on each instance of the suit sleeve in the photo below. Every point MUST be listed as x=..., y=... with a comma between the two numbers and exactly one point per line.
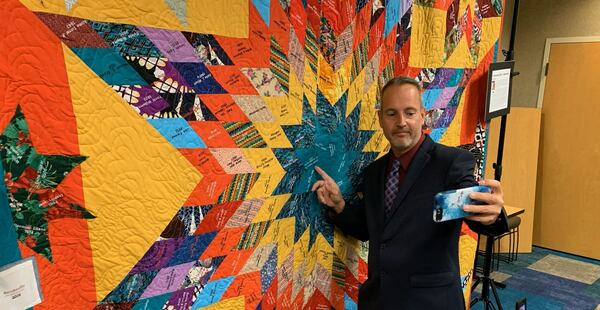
x=460, y=175
x=352, y=220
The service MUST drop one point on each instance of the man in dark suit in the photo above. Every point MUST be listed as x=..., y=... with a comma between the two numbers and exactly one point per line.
x=413, y=261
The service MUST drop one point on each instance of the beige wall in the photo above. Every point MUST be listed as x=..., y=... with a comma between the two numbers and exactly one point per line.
x=537, y=21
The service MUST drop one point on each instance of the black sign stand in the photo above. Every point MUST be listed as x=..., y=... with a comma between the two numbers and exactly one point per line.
x=486, y=281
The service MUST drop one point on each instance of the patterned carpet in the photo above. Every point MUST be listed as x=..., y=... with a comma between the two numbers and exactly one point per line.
x=549, y=280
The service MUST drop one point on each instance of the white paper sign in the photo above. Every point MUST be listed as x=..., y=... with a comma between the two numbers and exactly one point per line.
x=499, y=90
x=20, y=285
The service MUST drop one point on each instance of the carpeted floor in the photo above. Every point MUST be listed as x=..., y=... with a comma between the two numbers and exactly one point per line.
x=549, y=280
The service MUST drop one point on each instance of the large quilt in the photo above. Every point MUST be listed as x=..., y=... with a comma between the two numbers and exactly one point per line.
x=158, y=154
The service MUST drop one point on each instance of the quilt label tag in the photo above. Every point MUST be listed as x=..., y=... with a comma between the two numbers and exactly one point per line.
x=20, y=285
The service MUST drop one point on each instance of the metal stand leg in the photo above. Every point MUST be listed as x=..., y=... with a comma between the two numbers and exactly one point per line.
x=487, y=281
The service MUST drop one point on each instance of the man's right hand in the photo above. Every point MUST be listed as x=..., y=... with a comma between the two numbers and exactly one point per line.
x=328, y=192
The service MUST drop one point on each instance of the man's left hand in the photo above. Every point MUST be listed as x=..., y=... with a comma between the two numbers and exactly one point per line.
x=493, y=202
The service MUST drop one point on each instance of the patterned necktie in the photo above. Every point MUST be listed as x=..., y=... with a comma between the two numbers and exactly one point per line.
x=391, y=188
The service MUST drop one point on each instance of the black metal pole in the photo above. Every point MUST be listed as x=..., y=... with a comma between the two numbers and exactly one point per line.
x=510, y=55
x=513, y=30
x=498, y=164
x=488, y=283
x=487, y=267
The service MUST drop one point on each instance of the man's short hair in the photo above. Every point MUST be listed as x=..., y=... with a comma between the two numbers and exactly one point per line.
x=399, y=81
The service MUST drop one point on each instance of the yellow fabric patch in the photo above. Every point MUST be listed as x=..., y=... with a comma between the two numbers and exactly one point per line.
x=467, y=247
x=262, y=160
x=342, y=75
x=265, y=185
x=284, y=111
x=320, y=253
x=202, y=16
x=328, y=81
x=378, y=143
x=490, y=32
x=347, y=250
x=282, y=233
x=310, y=85
x=461, y=56
x=301, y=251
x=355, y=93
x=291, y=112
x=134, y=180
x=270, y=208
x=427, y=37
x=462, y=6
x=368, y=114
x=272, y=134
x=271, y=172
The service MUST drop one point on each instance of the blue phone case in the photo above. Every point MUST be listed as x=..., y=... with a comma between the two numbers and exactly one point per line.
x=449, y=205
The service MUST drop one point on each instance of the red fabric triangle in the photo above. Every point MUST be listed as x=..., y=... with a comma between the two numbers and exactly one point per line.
x=233, y=80
x=224, y=107
x=247, y=285
x=361, y=25
x=280, y=26
x=231, y=265
x=254, y=51
x=298, y=19
x=216, y=218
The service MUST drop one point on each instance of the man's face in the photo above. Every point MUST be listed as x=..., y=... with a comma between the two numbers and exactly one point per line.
x=401, y=117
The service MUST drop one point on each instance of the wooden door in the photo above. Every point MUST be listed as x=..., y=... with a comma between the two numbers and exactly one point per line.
x=567, y=212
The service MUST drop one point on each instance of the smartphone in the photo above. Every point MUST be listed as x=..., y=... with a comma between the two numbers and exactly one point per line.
x=449, y=205
x=521, y=304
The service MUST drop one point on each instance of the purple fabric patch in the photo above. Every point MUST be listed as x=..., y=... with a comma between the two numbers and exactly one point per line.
x=442, y=77
x=150, y=101
x=167, y=280
x=182, y=299
x=442, y=101
x=171, y=72
x=172, y=44
x=159, y=254
x=446, y=118
x=404, y=6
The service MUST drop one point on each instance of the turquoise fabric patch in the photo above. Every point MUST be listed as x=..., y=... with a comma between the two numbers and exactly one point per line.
x=349, y=304
x=430, y=96
x=178, y=132
x=392, y=17
x=109, y=66
x=212, y=292
x=437, y=133
x=264, y=9
x=155, y=302
x=8, y=236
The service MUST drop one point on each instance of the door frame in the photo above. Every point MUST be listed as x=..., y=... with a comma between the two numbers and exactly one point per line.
x=549, y=42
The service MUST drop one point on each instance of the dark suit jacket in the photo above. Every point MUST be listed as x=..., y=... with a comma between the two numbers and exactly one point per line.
x=413, y=261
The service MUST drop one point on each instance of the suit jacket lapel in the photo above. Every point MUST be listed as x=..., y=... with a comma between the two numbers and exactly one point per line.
x=414, y=170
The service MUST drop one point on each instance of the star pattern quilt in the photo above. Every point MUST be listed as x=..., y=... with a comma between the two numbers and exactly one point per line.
x=159, y=154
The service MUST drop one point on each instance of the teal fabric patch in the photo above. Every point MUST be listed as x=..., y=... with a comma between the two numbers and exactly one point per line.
x=155, y=302
x=8, y=236
x=109, y=66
